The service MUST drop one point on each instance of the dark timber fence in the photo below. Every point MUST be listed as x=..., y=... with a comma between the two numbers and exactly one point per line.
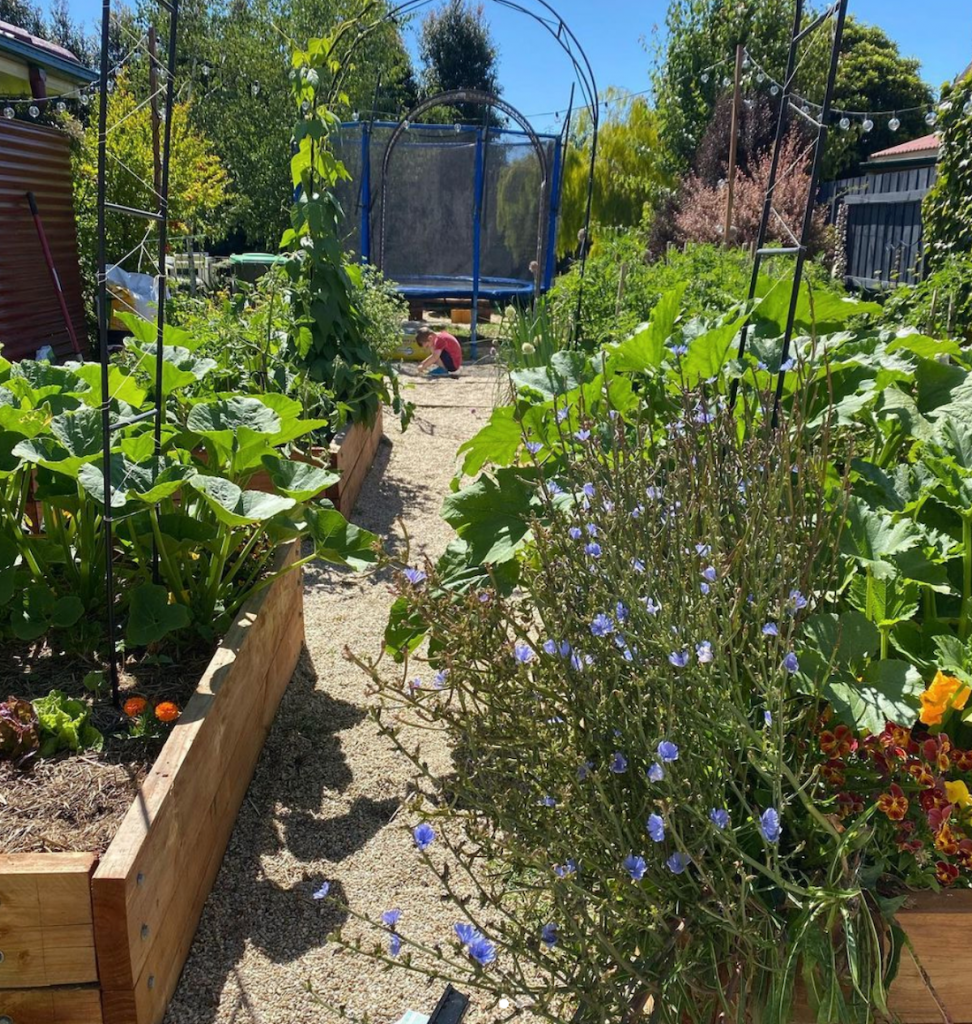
x=883, y=225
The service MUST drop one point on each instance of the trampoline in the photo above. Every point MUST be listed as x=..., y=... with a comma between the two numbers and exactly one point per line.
x=459, y=212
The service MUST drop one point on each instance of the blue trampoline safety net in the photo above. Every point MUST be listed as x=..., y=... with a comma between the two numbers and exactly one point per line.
x=426, y=237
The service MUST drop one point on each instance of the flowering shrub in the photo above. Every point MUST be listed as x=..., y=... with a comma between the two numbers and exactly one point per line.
x=635, y=781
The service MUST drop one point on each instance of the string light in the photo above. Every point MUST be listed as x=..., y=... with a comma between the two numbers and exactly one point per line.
x=867, y=124
x=844, y=123
x=894, y=124
x=255, y=89
x=33, y=110
x=9, y=113
x=705, y=77
x=931, y=118
x=967, y=108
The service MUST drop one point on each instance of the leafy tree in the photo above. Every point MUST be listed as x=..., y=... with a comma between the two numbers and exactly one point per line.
x=874, y=76
x=947, y=209
x=627, y=175
x=199, y=187
x=695, y=60
x=243, y=102
x=23, y=14
x=458, y=52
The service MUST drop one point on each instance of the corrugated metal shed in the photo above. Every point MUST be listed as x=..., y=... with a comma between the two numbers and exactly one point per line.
x=37, y=159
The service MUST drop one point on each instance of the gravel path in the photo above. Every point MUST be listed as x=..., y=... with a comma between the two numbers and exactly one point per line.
x=323, y=802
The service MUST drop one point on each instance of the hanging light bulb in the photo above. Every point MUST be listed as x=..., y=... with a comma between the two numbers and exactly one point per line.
x=86, y=99
x=9, y=113
x=747, y=63
x=458, y=127
x=894, y=124
x=305, y=106
x=62, y=107
x=867, y=124
x=774, y=89
x=406, y=125
x=111, y=85
x=163, y=114
x=844, y=123
x=726, y=82
x=760, y=77
x=34, y=111
x=967, y=108
x=254, y=89
x=705, y=77
x=931, y=118
x=355, y=116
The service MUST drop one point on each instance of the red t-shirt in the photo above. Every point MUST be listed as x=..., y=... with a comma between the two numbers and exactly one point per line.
x=444, y=342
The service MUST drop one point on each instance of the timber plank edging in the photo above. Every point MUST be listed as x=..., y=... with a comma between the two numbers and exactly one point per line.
x=136, y=912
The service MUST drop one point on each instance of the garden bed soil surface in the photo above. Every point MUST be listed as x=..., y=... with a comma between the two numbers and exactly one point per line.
x=75, y=802
x=326, y=800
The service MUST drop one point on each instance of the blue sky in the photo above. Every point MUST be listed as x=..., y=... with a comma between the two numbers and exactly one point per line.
x=536, y=76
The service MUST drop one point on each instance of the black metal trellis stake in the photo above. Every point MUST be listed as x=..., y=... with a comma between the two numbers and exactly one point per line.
x=159, y=216
x=800, y=248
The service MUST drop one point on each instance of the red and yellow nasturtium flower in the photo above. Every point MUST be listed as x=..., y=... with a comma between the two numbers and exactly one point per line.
x=166, y=711
x=838, y=743
x=893, y=803
x=946, y=873
x=944, y=692
x=134, y=706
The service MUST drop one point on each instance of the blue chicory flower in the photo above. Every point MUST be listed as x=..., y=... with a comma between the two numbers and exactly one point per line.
x=655, y=773
x=656, y=828
x=548, y=935
x=484, y=597
x=584, y=770
x=702, y=549
x=768, y=717
x=591, y=529
x=769, y=825
x=588, y=490
x=391, y=917
x=574, y=533
x=704, y=588
x=637, y=565
x=414, y=576
x=654, y=493
x=652, y=607
x=323, y=891
x=424, y=835
x=719, y=817
x=667, y=751
x=548, y=801
x=481, y=950
x=564, y=649
x=601, y=625
x=593, y=549
x=679, y=350
x=678, y=862
x=638, y=511
x=791, y=663
x=619, y=763
x=679, y=658
x=562, y=414
x=523, y=653
x=704, y=653
x=533, y=447
x=394, y=944
x=582, y=435
x=621, y=611
x=796, y=601
x=785, y=367
x=554, y=488
x=550, y=646
x=710, y=573
x=465, y=932
x=771, y=629
x=635, y=866
x=441, y=678
x=569, y=867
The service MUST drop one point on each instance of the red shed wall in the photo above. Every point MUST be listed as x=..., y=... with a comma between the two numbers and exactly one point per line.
x=37, y=159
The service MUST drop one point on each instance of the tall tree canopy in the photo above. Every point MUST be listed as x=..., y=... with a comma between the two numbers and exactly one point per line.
x=458, y=52
x=695, y=64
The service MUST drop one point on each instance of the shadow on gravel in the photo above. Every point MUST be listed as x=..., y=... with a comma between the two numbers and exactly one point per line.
x=302, y=770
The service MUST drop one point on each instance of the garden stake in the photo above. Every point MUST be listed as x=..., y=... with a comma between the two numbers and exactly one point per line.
x=52, y=270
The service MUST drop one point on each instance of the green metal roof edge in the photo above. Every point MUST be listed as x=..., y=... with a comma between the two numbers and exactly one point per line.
x=46, y=59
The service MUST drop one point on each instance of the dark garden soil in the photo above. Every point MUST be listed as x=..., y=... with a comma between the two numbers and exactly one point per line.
x=75, y=802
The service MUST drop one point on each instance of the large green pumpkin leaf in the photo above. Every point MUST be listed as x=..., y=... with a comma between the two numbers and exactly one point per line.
x=122, y=386
x=299, y=480
x=220, y=419
x=645, y=348
x=709, y=352
x=871, y=538
x=496, y=443
x=79, y=432
x=492, y=515
x=150, y=615
x=565, y=372
x=237, y=507
x=888, y=692
x=337, y=540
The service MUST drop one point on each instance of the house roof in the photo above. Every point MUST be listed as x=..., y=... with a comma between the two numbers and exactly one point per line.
x=927, y=145
x=18, y=43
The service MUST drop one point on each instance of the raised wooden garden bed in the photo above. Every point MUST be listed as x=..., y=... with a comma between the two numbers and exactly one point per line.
x=352, y=453
x=89, y=942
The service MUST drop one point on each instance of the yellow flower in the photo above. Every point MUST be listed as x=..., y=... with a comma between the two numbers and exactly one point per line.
x=958, y=793
x=944, y=693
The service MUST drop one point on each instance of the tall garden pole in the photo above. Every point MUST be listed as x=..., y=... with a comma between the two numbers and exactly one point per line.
x=733, y=145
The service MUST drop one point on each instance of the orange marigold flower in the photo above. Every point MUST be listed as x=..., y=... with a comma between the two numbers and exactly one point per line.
x=166, y=711
x=946, y=873
x=893, y=803
x=134, y=706
x=944, y=692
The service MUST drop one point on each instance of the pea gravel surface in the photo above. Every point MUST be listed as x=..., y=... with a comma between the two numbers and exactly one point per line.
x=325, y=802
